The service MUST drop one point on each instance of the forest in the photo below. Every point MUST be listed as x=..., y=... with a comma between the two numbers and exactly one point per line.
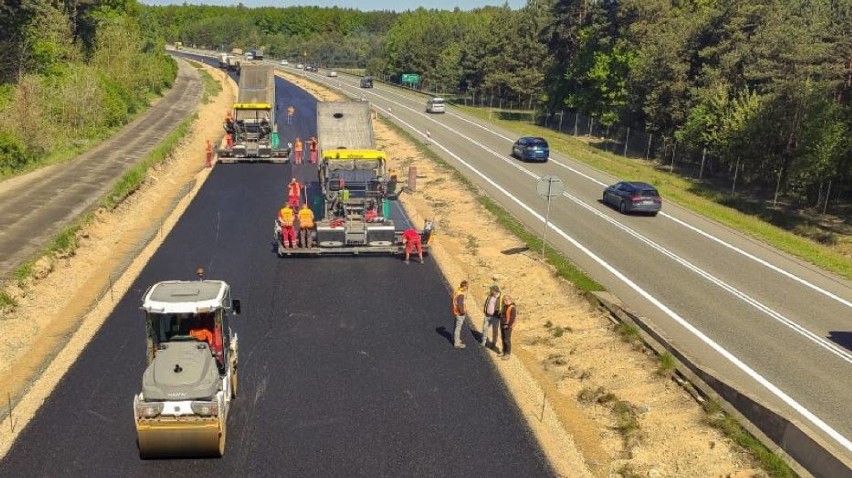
x=71, y=73
x=761, y=87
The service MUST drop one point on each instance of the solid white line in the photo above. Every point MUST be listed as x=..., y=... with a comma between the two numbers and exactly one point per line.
x=695, y=229
x=807, y=414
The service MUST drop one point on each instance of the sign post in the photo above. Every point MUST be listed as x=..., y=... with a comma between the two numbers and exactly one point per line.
x=548, y=188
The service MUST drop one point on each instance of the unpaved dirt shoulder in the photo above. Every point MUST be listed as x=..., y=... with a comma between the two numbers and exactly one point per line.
x=71, y=295
x=562, y=346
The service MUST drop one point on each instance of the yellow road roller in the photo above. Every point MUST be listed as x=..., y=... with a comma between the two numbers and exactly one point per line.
x=191, y=377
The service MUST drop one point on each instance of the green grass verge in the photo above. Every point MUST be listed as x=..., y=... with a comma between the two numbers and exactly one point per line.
x=564, y=267
x=769, y=461
x=683, y=191
x=212, y=87
x=7, y=301
x=67, y=240
x=131, y=181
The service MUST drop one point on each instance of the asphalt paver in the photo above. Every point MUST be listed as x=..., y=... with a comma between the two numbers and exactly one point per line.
x=345, y=369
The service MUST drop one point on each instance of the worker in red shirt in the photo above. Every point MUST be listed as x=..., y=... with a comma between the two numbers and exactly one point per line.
x=312, y=147
x=411, y=239
x=294, y=193
x=286, y=217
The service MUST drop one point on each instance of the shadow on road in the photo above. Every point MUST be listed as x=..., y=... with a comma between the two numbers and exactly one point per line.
x=443, y=332
x=843, y=339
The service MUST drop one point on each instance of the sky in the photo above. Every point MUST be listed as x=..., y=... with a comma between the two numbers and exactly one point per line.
x=364, y=5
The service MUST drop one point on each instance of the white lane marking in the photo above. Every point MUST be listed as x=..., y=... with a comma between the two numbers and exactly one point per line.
x=807, y=414
x=831, y=347
x=695, y=229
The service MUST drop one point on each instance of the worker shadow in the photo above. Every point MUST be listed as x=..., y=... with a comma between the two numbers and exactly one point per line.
x=843, y=339
x=443, y=332
x=514, y=250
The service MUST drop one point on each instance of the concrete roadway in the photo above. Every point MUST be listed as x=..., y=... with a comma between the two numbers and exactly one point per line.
x=768, y=324
x=37, y=206
x=344, y=366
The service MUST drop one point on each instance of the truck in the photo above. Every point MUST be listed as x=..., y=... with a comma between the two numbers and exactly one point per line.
x=257, y=54
x=191, y=374
x=251, y=133
x=223, y=60
x=354, y=190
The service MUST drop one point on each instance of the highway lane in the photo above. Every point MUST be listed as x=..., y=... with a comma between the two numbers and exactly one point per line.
x=710, y=289
x=342, y=368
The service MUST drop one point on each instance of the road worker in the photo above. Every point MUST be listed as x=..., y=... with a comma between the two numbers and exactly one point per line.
x=201, y=333
x=294, y=193
x=298, y=149
x=492, y=310
x=290, y=112
x=286, y=217
x=507, y=322
x=312, y=146
x=371, y=215
x=411, y=239
x=460, y=314
x=306, y=226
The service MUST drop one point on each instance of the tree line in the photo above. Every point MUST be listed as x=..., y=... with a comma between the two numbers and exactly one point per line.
x=760, y=86
x=71, y=72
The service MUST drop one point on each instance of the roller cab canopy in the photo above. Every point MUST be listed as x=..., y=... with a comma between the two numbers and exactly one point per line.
x=354, y=159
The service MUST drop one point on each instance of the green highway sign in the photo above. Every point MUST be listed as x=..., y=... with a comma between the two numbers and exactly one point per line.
x=410, y=78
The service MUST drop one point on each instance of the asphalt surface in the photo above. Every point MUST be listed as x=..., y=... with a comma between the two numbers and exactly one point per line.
x=35, y=207
x=770, y=325
x=345, y=368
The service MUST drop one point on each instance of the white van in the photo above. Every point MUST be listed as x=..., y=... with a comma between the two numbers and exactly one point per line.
x=436, y=105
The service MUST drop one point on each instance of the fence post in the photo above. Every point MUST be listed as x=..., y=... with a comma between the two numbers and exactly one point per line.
x=827, y=194
x=703, y=155
x=674, y=151
x=576, y=116
x=561, y=114
x=736, y=170
x=626, y=141
x=648, y=150
x=777, y=188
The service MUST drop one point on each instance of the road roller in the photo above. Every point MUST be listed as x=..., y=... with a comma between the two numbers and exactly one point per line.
x=191, y=376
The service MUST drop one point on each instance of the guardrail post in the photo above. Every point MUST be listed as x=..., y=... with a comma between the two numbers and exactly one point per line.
x=412, y=178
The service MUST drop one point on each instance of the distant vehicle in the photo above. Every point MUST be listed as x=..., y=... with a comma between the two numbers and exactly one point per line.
x=249, y=56
x=285, y=62
x=332, y=74
x=257, y=54
x=178, y=45
x=299, y=66
x=367, y=82
x=530, y=148
x=632, y=196
x=436, y=105
x=313, y=68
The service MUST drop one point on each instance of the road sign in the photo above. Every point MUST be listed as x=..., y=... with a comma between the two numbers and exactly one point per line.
x=410, y=79
x=550, y=186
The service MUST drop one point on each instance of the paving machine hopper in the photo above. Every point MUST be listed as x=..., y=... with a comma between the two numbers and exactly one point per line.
x=191, y=377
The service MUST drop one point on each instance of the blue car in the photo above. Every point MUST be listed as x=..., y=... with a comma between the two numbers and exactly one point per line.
x=530, y=148
x=630, y=196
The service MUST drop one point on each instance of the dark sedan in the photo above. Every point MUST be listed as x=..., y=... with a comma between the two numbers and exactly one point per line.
x=531, y=148
x=630, y=196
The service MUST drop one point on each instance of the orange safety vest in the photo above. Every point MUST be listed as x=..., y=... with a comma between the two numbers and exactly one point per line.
x=298, y=145
x=202, y=334
x=295, y=189
x=313, y=144
x=285, y=215
x=508, y=317
x=306, y=217
x=458, y=292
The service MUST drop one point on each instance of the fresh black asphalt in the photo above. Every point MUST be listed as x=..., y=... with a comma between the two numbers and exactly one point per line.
x=344, y=369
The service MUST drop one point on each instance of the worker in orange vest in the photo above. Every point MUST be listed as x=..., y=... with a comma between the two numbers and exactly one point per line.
x=298, y=149
x=312, y=145
x=294, y=193
x=286, y=217
x=306, y=226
